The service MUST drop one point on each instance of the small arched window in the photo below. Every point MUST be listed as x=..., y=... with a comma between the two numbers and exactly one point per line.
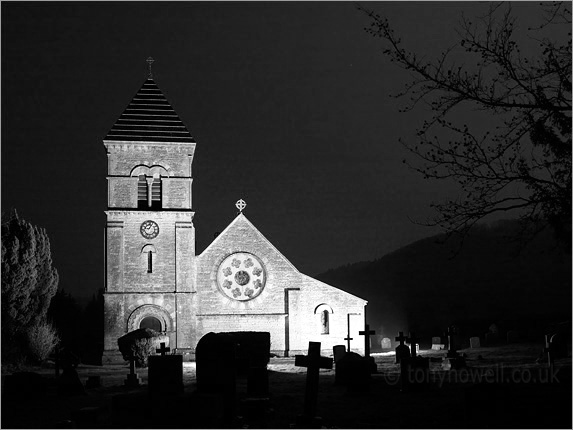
x=323, y=314
x=148, y=254
x=324, y=322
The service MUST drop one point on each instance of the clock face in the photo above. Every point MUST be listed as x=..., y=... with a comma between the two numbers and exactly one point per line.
x=241, y=276
x=149, y=229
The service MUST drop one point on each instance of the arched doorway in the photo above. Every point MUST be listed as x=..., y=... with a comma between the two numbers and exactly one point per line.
x=152, y=323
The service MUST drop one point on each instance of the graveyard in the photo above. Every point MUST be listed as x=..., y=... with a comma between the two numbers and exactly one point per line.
x=504, y=386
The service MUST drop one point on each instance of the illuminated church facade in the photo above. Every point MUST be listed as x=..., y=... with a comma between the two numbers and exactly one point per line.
x=154, y=278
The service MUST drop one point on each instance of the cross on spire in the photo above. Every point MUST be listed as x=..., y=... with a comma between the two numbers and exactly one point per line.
x=150, y=61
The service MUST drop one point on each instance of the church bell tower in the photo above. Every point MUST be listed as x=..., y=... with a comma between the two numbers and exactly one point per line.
x=150, y=237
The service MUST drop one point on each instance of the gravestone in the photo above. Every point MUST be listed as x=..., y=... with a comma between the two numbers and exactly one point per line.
x=313, y=363
x=437, y=343
x=348, y=339
x=132, y=380
x=402, y=351
x=165, y=375
x=492, y=336
x=338, y=351
x=474, y=342
x=215, y=359
x=366, y=333
x=512, y=336
x=386, y=343
x=353, y=371
x=452, y=360
x=215, y=356
x=411, y=368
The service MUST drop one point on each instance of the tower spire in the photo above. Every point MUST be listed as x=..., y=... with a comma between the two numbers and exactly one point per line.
x=150, y=61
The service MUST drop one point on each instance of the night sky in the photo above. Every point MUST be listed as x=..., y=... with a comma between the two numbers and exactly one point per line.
x=289, y=104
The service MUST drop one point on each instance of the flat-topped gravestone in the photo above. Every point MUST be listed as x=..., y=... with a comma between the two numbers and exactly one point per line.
x=437, y=343
x=165, y=375
x=338, y=351
x=386, y=343
x=474, y=342
x=353, y=371
x=215, y=356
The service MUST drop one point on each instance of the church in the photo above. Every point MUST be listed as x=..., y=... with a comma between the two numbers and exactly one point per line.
x=155, y=279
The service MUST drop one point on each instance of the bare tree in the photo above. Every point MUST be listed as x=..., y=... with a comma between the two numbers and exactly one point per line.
x=522, y=163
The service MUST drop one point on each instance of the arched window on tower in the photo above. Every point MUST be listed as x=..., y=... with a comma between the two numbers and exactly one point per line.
x=149, y=255
x=149, y=186
x=142, y=200
x=156, y=192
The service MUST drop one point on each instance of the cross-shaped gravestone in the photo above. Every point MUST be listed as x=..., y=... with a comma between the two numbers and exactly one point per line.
x=413, y=340
x=132, y=378
x=163, y=349
x=348, y=339
x=313, y=363
x=402, y=351
x=366, y=333
x=401, y=338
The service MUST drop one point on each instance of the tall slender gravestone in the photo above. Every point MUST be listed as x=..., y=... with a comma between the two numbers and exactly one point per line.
x=313, y=363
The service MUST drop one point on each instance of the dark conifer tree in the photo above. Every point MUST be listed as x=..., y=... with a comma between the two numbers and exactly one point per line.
x=29, y=281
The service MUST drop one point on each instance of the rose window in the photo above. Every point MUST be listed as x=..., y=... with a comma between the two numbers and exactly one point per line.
x=241, y=276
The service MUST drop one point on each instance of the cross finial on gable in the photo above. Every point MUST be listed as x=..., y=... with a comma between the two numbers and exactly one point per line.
x=241, y=205
x=150, y=61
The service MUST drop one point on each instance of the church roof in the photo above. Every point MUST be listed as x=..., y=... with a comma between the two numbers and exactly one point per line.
x=149, y=118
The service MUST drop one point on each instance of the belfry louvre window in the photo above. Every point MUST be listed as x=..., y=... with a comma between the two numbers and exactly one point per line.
x=142, y=202
x=156, y=193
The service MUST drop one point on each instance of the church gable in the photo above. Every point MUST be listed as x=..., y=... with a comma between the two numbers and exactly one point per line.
x=242, y=271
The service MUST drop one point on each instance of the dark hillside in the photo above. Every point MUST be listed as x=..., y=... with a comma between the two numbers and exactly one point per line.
x=428, y=285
